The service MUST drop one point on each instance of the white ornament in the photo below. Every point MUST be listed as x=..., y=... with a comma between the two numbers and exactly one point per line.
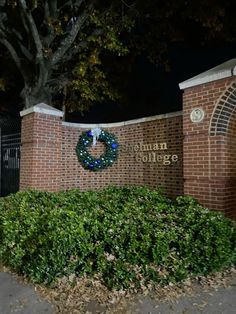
x=197, y=115
x=96, y=132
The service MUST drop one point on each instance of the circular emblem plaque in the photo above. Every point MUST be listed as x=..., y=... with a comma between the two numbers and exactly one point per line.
x=197, y=115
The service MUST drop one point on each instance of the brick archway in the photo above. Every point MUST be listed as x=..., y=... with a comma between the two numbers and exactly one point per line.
x=209, y=146
x=222, y=136
x=223, y=112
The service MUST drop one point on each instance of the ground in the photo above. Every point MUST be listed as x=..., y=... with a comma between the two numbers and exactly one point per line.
x=212, y=294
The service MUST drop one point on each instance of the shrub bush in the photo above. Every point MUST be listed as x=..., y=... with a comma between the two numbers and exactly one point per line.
x=129, y=236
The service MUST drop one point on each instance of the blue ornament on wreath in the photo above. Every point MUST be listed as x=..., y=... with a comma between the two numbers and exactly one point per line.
x=89, y=133
x=114, y=145
x=109, y=156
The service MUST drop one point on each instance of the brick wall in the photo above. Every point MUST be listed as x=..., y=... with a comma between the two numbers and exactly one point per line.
x=41, y=152
x=127, y=171
x=49, y=160
x=209, y=146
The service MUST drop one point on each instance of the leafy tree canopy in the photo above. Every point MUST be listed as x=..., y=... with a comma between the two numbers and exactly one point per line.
x=58, y=47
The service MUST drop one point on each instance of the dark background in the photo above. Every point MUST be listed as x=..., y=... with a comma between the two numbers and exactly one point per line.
x=152, y=90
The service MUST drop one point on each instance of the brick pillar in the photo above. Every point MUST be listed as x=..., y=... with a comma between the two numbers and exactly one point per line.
x=41, y=148
x=206, y=149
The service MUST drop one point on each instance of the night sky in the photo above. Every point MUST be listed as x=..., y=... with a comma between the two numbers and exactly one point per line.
x=152, y=90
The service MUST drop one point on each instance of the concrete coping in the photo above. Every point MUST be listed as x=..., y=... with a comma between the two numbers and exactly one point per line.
x=120, y=124
x=45, y=109
x=224, y=70
x=42, y=108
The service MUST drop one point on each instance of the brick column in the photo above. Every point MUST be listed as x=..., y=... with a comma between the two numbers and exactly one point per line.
x=41, y=148
x=206, y=150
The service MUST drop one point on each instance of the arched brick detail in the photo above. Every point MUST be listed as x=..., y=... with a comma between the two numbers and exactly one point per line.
x=223, y=112
x=230, y=157
x=209, y=151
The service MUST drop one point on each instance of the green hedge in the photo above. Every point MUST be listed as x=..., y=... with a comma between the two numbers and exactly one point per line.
x=126, y=235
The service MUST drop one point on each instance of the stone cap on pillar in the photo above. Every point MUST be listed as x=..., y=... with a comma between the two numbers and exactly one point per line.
x=224, y=70
x=42, y=108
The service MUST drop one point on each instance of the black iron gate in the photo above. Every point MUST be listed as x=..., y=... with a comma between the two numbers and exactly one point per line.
x=10, y=163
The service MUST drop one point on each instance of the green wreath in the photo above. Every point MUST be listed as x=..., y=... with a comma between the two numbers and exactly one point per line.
x=105, y=160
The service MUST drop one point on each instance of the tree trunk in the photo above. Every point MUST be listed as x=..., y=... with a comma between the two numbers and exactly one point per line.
x=35, y=95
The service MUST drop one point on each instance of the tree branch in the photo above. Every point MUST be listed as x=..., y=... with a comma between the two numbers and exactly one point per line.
x=76, y=3
x=67, y=42
x=48, y=39
x=16, y=38
x=14, y=32
x=74, y=50
x=130, y=6
x=53, y=8
x=12, y=51
x=26, y=52
x=43, y=71
x=33, y=29
x=24, y=21
x=83, y=44
x=65, y=4
x=46, y=11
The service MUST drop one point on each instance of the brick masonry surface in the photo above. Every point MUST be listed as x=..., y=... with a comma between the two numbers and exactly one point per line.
x=127, y=171
x=210, y=146
x=49, y=161
x=41, y=152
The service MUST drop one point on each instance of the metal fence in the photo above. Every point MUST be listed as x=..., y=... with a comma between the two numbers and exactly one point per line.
x=10, y=163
